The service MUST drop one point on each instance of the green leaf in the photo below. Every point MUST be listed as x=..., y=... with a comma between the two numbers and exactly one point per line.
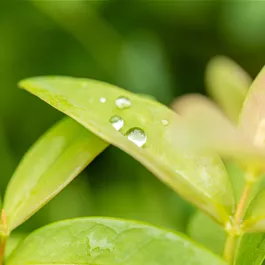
x=255, y=220
x=252, y=116
x=51, y=163
x=108, y=241
x=12, y=243
x=203, y=229
x=208, y=233
x=209, y=129
x=251, y=250
x=227, y=83
x=202, y=180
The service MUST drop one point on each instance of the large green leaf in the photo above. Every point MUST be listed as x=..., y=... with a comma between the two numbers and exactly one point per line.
x=108, y=241
x=56, y=159
x=200, y=179
x=227, y=83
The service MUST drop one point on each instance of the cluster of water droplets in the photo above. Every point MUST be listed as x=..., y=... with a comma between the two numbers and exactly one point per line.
x=135, y=134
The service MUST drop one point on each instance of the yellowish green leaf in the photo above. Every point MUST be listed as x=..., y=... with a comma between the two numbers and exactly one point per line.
x=227, y=83
x=108, y=241
x=50, y=164
x=142, y=128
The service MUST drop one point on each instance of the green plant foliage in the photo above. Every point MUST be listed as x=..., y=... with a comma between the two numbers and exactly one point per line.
x=130, y=122
x=227, y=83
x=255, y=220
x=251, y=250
x=253, y=111
x=108, y=241
x=207, y=232
x=12, y=242
x=55, y=160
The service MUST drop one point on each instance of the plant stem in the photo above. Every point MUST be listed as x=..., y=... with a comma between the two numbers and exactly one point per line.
x=229, y=248
x=2, y=248
x=230, y=245
x=3, y=237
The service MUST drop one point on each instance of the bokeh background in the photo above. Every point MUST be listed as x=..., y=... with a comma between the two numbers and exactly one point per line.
x=159, y=48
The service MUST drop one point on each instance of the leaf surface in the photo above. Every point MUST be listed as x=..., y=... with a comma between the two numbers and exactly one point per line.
x=50, y=164
x=251, y=250
x=201, y=179
x=255, y=218
x=252, y=117
x=227, y=83
x=107, y=241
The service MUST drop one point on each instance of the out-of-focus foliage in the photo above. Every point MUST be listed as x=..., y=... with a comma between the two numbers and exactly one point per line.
x=150, y=47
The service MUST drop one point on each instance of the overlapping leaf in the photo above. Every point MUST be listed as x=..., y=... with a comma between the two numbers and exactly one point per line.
x=255, y=220
x=251, y=250
x=200, y=179
x=209, y=128
x=252, y=118
x=227, y=83
x=108, y=242
x=52, y=162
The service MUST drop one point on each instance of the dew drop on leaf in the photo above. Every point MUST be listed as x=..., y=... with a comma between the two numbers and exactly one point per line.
x=165, y=122
x=123, y=103
x=137, y=136
x=117, y=122
x=102, y=100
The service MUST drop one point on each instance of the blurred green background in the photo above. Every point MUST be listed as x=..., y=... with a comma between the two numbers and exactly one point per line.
x=159, y=48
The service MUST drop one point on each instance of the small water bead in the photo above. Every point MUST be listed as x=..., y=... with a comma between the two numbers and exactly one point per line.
x=137, y=136
x=123, y=103
x=102, y=100
x=165, y=122
x=117, y=122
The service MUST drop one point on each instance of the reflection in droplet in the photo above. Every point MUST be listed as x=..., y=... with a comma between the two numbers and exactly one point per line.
x=102, y=100
x=117, y=122
x=123, y=103
x=165, y=122
x=137, y=136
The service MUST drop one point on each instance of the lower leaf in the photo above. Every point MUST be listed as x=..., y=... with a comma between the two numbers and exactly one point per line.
x=108, y=241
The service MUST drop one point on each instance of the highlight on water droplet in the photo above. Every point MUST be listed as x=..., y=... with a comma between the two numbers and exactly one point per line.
x=137, y=136
x=123, y=103
x=165, y=122
x=102, y=100
x=117, y=122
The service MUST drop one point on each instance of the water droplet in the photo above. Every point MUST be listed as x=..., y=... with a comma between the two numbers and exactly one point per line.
x=123, y=103
x=137, y=136
x=165, y=122
x=117, y=122
x=102, y=100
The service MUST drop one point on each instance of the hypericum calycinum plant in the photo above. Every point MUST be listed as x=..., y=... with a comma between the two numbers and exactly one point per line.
x=102, y=114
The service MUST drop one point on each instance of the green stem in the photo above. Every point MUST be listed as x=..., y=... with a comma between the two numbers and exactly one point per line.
x=229, y=248
x=230, y=245
x=3, y=237
x=2, y=249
